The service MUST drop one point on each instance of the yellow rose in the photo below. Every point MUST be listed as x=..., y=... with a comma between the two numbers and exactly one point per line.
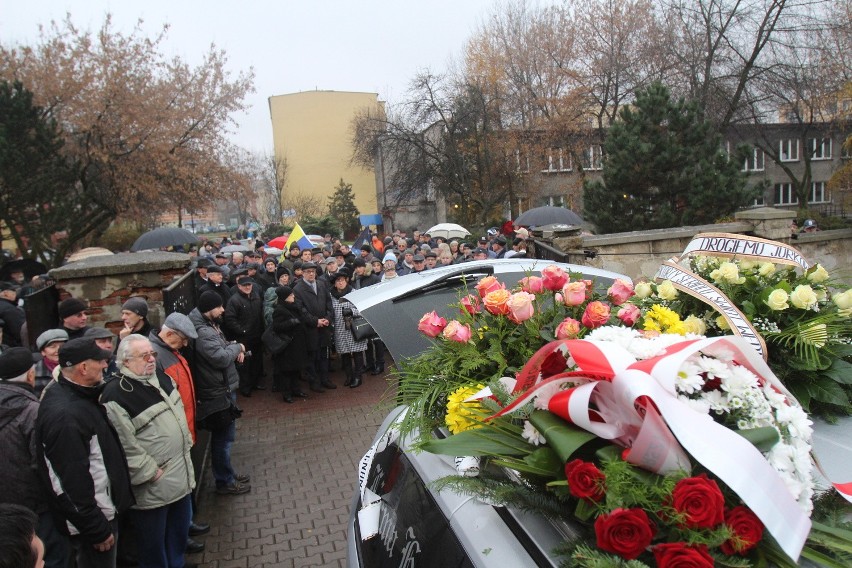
x=694, y=325
x=843, y=301
x=766, y=269
x=818, y=275
x=777, y=300
x=747, y=264
x=803, y=297
x=821, y=294
x=722, y=323
x=727, y=272
x=666, y=290
x=643, y=289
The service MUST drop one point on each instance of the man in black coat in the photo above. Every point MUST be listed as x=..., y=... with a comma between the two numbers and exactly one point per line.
x=215, y=283
x=12, y=315
x=243, y=322
x=314, y=301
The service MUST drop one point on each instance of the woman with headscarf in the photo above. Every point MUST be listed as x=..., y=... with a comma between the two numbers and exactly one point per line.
x=351, y=351
x=288, y=363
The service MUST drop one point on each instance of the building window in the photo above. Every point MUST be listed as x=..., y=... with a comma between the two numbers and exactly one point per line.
x=820, y=148
x=784, y=194
x=846, y=151
x=819, y=193
x=557, y=160
x=593, y=157
x=754, y=162
x=554, y=201
x=759, y=201
x=522, y=162
x=788, y=150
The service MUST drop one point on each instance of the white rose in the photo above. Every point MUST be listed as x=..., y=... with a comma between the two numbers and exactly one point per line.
x=643, y=289
x=667, y=291
x=727, y=272
x=694, y=325
x=766, y=269
x=722, y=323
x=844, y=300
x=803, y=297
x=777, y=300
x=818, y=275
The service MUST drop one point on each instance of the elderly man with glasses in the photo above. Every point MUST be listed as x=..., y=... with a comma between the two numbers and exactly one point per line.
x=146, y=409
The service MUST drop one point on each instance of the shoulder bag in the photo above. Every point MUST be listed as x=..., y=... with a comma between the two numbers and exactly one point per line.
x=274, y=342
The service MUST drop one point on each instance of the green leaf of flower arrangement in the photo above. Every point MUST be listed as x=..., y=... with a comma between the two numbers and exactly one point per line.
x=479, y=442
x=564, y=438
x=840, y=371
x=824, y=389
x=761, y=438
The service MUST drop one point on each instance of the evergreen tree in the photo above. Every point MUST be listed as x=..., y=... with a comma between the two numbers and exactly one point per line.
x=664, y=167
x=341, y=208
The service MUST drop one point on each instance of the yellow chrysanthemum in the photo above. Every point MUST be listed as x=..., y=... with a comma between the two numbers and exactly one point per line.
x=463, y=415
x=662, y=319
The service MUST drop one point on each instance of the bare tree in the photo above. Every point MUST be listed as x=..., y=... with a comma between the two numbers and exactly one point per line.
x=270, y=181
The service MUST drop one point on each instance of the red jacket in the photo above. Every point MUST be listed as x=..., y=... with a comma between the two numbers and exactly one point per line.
x=175, y=366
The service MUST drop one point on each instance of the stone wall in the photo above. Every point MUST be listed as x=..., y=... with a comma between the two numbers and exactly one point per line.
x=108, y=281
x=640, y=253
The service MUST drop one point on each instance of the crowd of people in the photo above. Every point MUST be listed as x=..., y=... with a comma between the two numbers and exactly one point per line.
x=97, y=427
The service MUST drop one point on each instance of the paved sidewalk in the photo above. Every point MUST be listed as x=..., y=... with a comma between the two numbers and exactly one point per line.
x=303, y=461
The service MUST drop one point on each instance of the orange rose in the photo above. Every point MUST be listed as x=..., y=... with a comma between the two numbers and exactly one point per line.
x=488, y=284
x=497, y=302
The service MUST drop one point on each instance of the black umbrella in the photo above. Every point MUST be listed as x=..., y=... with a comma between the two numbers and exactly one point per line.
x=28, y=266
x=164, y=237
x=548, y=216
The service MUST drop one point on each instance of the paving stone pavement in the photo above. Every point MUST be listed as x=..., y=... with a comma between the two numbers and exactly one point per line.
x=303, y=461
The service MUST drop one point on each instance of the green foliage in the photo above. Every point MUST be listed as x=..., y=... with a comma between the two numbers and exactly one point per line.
x=320, y=225
x=664, y=167
x=119, y=236
x=341, y=208
x=273, y=230
x=584, y=556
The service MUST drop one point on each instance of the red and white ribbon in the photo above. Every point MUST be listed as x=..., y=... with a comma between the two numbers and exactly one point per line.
x=634, y=404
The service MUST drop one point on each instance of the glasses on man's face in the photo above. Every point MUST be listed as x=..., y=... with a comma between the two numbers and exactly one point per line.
x=146, y=356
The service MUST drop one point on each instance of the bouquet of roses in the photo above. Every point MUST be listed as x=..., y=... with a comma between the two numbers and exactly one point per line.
x=497, y=330
x=676, y=450
x=804, y=317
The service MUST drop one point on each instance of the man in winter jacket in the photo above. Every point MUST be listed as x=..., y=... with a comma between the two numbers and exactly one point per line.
x=146, y=409
x=216, y=377
x=12, y=315
x=243, y=322
x=80, y=455
x=314, y=300
x=19, y=484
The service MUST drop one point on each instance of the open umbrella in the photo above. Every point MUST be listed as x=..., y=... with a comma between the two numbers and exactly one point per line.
x=448, y=231
x=235, y=248
x=548, y=216
x=163, y=237
x=28, y=266
x=89, y=252
x=278, y=242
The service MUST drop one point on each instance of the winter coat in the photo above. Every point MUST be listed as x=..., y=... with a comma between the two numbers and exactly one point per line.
x=286, y=322
x=175, y=366
x=19, y=482
x=343, y=340
x=147, y=413
x=221, y=289
x=81, y=460
x=314, y=307
x=13, y=320
x=365, y=280
x=214, y=370
x=243, y=318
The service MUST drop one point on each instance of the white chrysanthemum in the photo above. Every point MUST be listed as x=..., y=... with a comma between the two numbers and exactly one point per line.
x=699, y=405
x=531, y=435
x=797, y=422
x=739, y=379
x=689, y=379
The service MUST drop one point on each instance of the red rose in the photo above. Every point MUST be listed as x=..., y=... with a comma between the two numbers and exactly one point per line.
x=700, y=501
x=747, y=530
x=679, y=555
x=626, y=532
x=553, y=364
x=585, y=480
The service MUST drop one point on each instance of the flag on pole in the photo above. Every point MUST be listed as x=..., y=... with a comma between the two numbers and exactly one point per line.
x=364, y=237
x=298, y=236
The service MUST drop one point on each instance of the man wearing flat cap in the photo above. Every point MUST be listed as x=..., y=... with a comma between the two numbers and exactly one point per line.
x=243, y=322
x=47, y=368
x=19, y=482
x=314, y=300
x=499, y=246
x=216, y=283
x=73, y=317
x=80, y=455
x=12, y=315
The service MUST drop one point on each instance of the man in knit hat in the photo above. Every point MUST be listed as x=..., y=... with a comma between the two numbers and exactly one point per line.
x=73, y=317
x=134, y=314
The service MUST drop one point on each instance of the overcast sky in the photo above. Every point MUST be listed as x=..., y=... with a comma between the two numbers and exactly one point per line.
x=342, y=45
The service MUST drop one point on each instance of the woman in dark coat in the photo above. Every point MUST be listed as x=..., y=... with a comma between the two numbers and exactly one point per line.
x=288, y=364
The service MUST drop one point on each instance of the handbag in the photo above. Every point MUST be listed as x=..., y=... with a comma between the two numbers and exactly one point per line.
x=361, y=328
x=274, y=342
x=217, y=413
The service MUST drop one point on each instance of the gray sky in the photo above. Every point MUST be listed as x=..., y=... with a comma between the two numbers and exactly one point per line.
x=342, y=45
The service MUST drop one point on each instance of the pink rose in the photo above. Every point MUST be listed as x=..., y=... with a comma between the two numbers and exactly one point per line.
x=471, y=304
x=620, y=292
x=629, y=315
x=487, y=285
x=496, y=302
x=457, y=331
x=432, y=324
x=521, y=307
x=596, y=315
x=553, y=278
x=574, y=293
x=568, y=329
x=532, y=284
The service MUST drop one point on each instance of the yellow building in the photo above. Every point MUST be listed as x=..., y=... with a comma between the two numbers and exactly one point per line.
x=313, y=131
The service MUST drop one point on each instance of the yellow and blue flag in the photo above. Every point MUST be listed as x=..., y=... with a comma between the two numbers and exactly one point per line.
x=298, y=236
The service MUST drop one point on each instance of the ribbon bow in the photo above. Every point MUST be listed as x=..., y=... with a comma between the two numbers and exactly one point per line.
x=634, y=404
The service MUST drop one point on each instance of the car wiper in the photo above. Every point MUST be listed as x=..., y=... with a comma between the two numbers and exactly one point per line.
x=448, y=280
